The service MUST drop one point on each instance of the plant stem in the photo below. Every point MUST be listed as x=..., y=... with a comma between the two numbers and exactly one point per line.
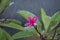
x=41, y=36
x=54, y=34
x=55, y=30
x=58, y=37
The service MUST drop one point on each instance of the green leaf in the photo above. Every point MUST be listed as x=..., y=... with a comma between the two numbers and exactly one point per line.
x=28, y=33
x=3, y=5
x=46, y=19
x=12, y=20
x=56, y=16
x=5, y=35
x=55, y=20
x=58, y=30
x=13, y=25
x=1, y=34
x=25, y=15
x=8, y=36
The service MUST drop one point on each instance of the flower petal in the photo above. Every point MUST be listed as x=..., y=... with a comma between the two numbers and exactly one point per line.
x=29, y=18
x=34, y=18
x=28, y=24
x=35, y=24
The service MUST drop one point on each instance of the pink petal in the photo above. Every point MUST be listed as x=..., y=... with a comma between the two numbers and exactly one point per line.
x=28, y=25
x=34, y=18
x=35, y=24
x=29, y=18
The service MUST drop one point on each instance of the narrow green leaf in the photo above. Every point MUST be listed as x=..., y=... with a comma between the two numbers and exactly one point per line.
x=46, y=19
x=55, y=20
x=25, y=15
x=56, y=16
x=8, y=36
x=1, y=34
x=4, y=4
x=12, y=20
x=13, y=25
x=58, y=31
x=5, y=35
x=28, y=33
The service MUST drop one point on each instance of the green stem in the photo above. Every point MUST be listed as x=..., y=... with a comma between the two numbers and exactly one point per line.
x=54, y=34
x=55, y=31
x=41, y=36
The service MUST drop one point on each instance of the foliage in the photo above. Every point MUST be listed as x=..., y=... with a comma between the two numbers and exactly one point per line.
x=50, y=26
x=3, y=5
x=4, y=35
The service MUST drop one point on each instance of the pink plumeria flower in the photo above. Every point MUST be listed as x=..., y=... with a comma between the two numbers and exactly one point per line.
x=31, y=21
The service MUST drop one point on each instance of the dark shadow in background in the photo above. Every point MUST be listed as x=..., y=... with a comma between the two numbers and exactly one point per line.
x=50, y=6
